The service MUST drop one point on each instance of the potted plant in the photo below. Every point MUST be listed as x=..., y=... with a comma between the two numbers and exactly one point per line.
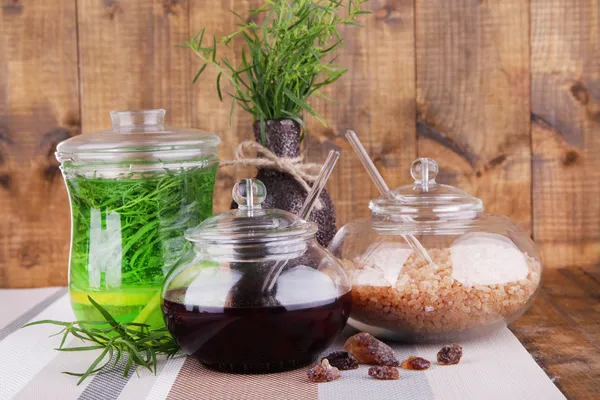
x=284, y=61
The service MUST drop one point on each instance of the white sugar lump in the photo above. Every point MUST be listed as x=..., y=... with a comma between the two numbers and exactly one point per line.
x=383, y=262
x=481, y=258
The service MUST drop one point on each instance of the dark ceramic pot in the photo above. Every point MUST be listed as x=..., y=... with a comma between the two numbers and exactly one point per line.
x=282, y=137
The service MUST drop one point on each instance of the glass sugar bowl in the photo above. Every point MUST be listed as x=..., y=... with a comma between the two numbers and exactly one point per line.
x=133, y=190
x=257, y=294
x=430, y=265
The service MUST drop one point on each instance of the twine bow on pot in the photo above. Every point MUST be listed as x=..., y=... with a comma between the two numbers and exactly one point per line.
x=301, y=172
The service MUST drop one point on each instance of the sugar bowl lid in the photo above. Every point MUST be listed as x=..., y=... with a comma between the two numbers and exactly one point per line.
x=250, y=223
x=426, y=199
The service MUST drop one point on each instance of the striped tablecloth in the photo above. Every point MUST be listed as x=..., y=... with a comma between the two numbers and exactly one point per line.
x=497, y=367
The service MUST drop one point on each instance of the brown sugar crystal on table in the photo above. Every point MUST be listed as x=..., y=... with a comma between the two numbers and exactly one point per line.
x=342, y=360
x=449, y=355
x=384, y=372
x=416, y=363
x=323, y=372
x=368, y=350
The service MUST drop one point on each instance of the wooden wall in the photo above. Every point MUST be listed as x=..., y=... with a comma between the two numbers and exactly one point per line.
x=505, y=95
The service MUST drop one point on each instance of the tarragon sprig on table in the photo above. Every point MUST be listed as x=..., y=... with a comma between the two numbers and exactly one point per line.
x=139, y=343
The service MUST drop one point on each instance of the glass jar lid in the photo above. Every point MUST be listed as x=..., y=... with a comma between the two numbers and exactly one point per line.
x=425, y=199
x=250, y=223
x=138, y=136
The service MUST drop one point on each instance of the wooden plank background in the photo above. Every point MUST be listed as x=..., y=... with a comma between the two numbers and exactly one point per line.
x=505, y=95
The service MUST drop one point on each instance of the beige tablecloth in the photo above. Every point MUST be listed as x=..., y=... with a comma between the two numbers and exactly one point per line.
x=497, y=367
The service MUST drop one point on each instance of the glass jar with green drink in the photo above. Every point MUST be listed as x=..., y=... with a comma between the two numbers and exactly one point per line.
x=133, y=190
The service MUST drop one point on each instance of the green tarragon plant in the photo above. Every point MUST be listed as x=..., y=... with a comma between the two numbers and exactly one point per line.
x=285, y=59
x=139, y=345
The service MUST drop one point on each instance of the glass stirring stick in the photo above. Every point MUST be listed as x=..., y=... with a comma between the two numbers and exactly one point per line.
x=309, y=203
x=383, y=188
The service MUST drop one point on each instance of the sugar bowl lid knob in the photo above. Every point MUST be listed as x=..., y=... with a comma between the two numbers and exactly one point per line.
x=249, y=193
x=424, y=170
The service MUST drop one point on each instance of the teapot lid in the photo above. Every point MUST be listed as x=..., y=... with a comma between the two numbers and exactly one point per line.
x=250, y=223
x=138, y=136
x=426, y=199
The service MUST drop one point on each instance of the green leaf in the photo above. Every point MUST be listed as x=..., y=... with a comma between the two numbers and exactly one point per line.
x=200, y=37
x=63, y=340
x=109, y=318
x=128, y=365
x=303, y=105
x=83, y=348
x=263, y=135
x=199, y=73
x=214, y=50
x=46, y=321
x=231, y=111
x=354, y=24
x=237, y=15
x=118, y=357
x=219, y=86
x=92, y=368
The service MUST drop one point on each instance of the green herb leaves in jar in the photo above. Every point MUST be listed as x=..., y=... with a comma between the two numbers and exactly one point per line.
x=128, y=233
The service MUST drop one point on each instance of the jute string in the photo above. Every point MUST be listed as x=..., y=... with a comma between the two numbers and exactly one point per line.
x=301, y=172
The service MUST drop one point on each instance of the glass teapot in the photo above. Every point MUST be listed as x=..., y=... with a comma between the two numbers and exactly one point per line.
x=431, y=265
x=257, y=293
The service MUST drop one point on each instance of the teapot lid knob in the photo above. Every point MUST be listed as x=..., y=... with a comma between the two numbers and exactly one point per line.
x=249, y=194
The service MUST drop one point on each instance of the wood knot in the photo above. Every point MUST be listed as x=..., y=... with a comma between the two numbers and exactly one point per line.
x=493, y=163
x=29, y=257
x=595, y=116
x=50, y=172
x=580, y=93
x=383, y=13
x=12, y=7
x=570, y=157
x=73, y=123
x=4, y=135
x=113, y=7
x=52, y=138
x=48, y=143
x=496, y=161
x=5, y=141
x=5, y=181
x=329, y=133
x=170, y=6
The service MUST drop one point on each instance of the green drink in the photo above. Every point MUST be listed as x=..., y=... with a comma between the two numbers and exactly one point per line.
x=133, y=192
x=128, y=233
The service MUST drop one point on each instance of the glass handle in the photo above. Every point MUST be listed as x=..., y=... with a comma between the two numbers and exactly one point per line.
x=424, y=171
x=122, y=119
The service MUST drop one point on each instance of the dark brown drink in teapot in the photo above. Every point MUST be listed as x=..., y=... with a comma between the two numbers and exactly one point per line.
x=256, y=339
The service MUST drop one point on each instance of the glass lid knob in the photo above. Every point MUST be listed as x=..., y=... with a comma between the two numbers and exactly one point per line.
x=249, y=194
x=424, y=170
x=122, y=119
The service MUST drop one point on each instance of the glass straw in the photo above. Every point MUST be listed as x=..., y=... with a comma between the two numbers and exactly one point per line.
x=366, y=161
x=319, y=184
x=383, y=188
x=309, y=203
